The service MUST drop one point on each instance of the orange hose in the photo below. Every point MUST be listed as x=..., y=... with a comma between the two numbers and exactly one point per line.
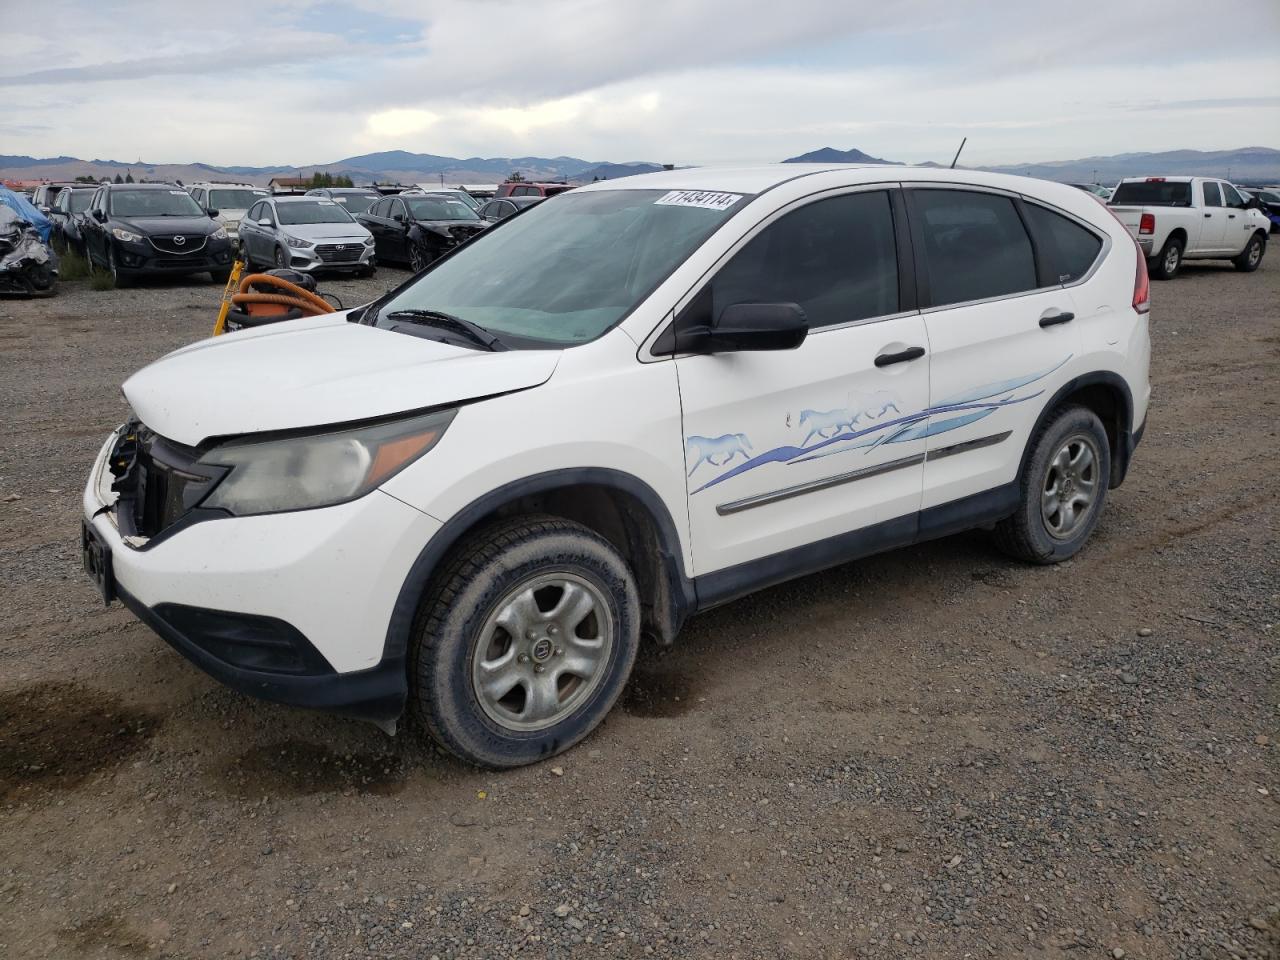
x=300, y=297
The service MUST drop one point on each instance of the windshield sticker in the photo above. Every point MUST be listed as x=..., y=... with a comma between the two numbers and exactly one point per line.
x=327, y=203
x=341, y=199
x=699, y=198
x=178, y=193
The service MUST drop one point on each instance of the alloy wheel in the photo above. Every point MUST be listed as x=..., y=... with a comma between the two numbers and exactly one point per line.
x=1171, y=258
x=416, y=260
x=1070, y=487
x=543, y=651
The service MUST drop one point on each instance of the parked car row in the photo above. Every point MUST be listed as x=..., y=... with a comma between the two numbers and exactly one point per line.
x=1191, y=218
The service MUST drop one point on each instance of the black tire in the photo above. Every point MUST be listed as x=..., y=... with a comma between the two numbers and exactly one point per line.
x=1251, y=257
x=281, y=259
x=1166, y=264
x=1028, y=535
x=220, y=276
x=119, y=280
x=477, y=577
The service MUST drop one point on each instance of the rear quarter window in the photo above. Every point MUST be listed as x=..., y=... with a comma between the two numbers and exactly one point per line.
x=1068, y=248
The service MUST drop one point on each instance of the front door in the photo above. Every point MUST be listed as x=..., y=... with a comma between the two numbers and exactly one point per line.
x=1002, y=329
x=784, y=449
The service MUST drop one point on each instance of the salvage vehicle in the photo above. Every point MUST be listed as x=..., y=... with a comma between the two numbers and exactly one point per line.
x=153, y=229
x=27, y=265
x=522, y=188
x=44, y=195
x=474, y=496
x=69, y=209
x=306, y=233
x=227, y=203
x=418, y=229
x=501, y=209
x=1190, y=218
x=354, y=199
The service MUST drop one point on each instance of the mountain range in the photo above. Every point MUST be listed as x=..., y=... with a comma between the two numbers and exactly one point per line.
x=1246, y=164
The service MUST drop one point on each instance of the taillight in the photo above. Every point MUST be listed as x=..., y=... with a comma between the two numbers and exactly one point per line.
x=1141, y=286
x=1147, y=224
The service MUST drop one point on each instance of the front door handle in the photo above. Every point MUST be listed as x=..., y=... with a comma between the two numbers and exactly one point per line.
x=902, y=356
x=1051, y=318
x=1208, y=216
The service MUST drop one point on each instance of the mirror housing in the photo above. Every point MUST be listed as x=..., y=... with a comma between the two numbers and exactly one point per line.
x=46, y=210
x=264, y=222
x=748, y=327
x=100, y=216
x=211, y=212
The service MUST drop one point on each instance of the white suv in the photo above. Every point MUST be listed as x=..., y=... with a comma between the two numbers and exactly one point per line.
x=632, y=402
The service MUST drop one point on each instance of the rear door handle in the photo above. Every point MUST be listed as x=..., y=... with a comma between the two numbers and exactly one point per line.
x=902, y=356
x=1051, y=318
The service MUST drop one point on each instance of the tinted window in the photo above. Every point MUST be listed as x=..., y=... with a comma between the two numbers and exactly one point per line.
x=1069, y=248
x=974, y=244
x=1212, y=195
x=836, y=258
x=154, y=203
x=1152, y=193
x=1230, y=197
x=440, y=208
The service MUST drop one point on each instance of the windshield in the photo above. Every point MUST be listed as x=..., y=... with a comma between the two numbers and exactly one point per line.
x=440, y=208
x=1152, y=193
x=312, y=211
x=356, y=202
x=80, y=200
x=234, y=199
x=570, y=268
x=154, y=203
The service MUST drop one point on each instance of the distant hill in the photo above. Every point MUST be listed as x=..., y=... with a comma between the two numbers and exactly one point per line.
x=1245, y=164
x=832, y=155
x=615, y=171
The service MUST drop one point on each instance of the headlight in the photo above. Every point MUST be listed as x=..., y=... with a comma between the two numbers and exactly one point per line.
x=219, y=234
x=368, y=241
x=319, y=470
x=296, y=241
x=126, y=235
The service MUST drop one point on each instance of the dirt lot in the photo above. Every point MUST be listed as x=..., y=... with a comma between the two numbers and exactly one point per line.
x=936, y=753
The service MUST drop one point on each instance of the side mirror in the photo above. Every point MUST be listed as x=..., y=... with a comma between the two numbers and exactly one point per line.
x=264, y=222
x=46, y=210
x=749, y=326
x=211, y=212
x=100, y=216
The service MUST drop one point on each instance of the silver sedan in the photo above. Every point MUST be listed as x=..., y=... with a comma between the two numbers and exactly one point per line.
x=307, y=234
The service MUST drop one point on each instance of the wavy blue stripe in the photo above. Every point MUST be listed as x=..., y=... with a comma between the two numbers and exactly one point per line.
x=1001, y=386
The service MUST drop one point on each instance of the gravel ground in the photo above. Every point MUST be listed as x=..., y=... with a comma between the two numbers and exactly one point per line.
x=935, y=753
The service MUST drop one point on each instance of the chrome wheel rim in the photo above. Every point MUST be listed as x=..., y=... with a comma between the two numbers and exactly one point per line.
x=1171, y=260
x=1070, y=486
x=416, y=260
x=1255, y=253
x=542, y=652
x=280, y=263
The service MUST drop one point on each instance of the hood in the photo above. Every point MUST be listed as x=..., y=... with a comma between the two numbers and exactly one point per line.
x=450, y=227
x=326, y=231
x=148, y=226
x=314, y=372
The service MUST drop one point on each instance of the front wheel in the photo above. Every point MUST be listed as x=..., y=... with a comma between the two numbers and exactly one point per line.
x=1251, y=258
x=1063, y=489
x=1166, y=264
x=525, y=641
x=118, y=278
x=417, y=259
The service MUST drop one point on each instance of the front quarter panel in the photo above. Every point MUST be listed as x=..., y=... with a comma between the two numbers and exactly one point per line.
x=601, y=409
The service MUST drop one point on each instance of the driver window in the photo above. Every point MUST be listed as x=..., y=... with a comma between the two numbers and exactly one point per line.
x=1212, y=195
x=835, y=257
x=1231, y=197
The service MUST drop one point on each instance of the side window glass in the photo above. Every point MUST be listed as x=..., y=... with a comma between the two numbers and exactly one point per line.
x=1212, y=195
x=836, y=258
x=1069, y=248
x=1230, y=197
x=975, y=246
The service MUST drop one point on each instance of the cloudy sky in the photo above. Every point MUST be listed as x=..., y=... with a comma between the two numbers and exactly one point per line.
x=678, y=81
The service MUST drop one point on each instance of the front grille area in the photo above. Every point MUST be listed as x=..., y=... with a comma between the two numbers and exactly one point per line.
x=460, y=234
x=159, y=481
x=169, y=244
x=339, y=252
x=176, y=262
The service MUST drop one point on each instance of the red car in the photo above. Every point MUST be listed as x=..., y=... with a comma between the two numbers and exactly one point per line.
x=521, y=188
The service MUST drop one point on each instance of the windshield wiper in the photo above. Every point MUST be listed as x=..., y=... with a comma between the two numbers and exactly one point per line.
x=437, y=318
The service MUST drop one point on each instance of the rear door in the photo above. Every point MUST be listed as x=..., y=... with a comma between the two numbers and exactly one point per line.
x=786, y=449
x=1001, y=331
x=1213, y=230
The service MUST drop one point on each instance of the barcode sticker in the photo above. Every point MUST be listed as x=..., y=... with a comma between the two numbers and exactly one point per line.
x=699, y=198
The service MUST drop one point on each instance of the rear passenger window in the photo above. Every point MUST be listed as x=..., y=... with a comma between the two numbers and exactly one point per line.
x=834, y=257
x=1068, y=248
x=1212, y=195
x=974, y=244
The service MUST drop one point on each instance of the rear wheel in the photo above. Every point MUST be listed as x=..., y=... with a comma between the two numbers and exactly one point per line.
x=1063, y=487
x=1251, y=258
x=1166, y=265
x=525, y=642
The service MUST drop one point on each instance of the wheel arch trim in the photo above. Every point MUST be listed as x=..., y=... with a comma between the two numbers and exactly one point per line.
x=1123, y=424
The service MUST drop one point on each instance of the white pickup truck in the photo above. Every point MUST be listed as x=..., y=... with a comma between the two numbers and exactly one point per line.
x=1190, y=218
